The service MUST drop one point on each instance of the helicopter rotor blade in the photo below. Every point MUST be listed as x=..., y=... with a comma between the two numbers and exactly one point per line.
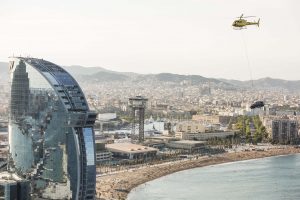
x=245, y=17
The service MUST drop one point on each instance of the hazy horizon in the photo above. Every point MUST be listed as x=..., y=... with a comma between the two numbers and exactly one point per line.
x=172, y=73
x=181, y=37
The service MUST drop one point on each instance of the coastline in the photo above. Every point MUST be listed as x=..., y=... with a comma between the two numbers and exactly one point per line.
x=118, y=185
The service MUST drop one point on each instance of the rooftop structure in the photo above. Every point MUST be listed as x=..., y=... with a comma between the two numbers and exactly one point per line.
x=138, y=105
x=131, y=151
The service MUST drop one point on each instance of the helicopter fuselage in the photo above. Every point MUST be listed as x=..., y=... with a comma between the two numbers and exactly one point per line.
x=243, y=22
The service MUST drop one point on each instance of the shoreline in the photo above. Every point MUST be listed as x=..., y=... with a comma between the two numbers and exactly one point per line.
x=118, y=185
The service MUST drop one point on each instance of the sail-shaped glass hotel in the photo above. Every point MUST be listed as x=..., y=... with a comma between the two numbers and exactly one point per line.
x=51, y=136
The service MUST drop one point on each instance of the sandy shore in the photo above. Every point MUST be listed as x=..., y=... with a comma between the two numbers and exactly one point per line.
x=117, y=186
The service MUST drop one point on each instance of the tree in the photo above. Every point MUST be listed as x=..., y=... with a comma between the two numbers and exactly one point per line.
x=257, y=137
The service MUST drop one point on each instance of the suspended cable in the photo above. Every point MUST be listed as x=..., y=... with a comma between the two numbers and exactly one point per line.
x=247, y=57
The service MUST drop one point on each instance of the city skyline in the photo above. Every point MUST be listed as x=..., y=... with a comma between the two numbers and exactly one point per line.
x=190, y=37
x=147, y=90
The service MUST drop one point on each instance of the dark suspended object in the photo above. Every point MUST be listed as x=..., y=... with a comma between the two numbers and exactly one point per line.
x=257, y=104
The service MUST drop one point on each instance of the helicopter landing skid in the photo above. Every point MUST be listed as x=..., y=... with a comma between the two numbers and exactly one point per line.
x=239, y=28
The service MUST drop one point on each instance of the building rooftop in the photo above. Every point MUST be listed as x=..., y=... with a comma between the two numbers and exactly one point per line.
x=189, y=142
x=162, y=137
x=129, y=148
x=6, y=177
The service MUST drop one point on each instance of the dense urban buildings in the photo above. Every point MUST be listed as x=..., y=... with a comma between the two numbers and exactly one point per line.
x=51, y=129
x=51, y=136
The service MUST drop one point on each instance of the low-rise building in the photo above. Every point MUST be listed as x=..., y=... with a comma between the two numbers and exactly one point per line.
x=102, y=154
x=191, y=146
x=158, y=142
x=190, y=127
x=202, y=136
x=131, y=151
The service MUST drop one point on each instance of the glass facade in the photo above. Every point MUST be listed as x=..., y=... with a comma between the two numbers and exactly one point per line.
x=51, y=132
x=14, y=190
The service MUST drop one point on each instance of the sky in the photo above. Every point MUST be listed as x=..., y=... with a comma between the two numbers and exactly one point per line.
x=175, y=36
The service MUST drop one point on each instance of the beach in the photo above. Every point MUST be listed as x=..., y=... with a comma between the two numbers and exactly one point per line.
x=118, y=185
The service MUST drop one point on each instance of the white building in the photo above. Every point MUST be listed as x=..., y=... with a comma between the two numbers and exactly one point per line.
x=190, y=127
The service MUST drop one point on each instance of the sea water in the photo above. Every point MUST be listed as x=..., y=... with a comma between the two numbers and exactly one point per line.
x=270, y=178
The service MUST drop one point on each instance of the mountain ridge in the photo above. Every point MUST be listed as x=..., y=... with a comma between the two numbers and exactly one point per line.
x=100, y=74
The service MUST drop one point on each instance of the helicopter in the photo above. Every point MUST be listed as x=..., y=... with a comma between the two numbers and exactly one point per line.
x=242, y=23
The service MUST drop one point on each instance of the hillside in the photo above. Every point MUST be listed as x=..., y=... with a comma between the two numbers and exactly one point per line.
x=268, y=83
x=109, y=76
x=103, y=76
x=80, y=70
x=99, y=74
